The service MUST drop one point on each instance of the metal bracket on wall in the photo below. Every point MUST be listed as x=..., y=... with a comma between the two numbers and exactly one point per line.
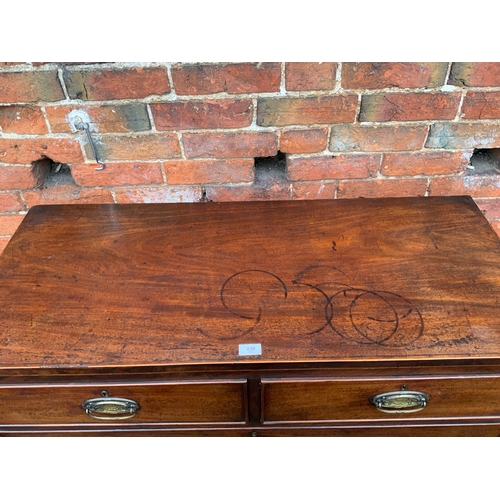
x=85, y=126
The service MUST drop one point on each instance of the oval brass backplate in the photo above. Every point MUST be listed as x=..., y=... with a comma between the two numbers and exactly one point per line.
x=108, y=408
x=400, y=401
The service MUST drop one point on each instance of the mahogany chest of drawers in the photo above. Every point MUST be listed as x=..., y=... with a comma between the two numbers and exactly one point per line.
x=360, y=317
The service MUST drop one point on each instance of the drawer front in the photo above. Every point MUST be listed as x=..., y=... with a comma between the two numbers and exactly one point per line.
x=191, y=402
x=340, y=399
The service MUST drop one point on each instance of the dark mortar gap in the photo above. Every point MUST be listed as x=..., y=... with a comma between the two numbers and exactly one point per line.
x=270, y=168
x=485, y=162
x=204, y=196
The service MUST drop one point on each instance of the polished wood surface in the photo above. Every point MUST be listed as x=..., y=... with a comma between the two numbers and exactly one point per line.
x=349, y=399
x=117, y=285
x=164, y=403
x=346, y=299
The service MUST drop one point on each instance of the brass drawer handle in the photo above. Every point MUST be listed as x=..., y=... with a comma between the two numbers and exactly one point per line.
x=402, y=401
x=108, y=408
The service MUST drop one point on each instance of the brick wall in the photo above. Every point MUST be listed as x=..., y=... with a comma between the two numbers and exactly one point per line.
x=175, y=132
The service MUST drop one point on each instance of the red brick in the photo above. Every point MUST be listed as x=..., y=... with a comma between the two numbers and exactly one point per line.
x=399, y=74
x=481, y=105
x=137, y=147
x=119, y=118
x=409, y=107
x=476, y=74
x=9, y=224
x=161, y=194
x=224, y=113
x=382, y=188
x=303, y=141
x=11, y=202
x=489, y=206
x=426, y=163
x=22, y=177
x=377, y=138
x=462, y=135
x=277, y=112
x=30, y=86
x=126, y=83
x=230, y=144
x=495, y=224
x=310, y=76
x=473, y=185
x=276, y=191
x=313, y=190
x=117, y=174
x=64, y=193
x=239, y=78
x=22, y=120
x=249, y=78
x=333, y=167
x=209, y=171
x=24, y=151
x=3, y=243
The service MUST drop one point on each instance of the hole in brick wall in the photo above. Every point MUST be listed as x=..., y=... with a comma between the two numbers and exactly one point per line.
x=269, y=169
x=52, y=173
x=58, y=174
x=485, y=162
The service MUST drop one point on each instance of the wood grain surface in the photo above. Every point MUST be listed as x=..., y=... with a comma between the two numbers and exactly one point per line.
x=166, y=284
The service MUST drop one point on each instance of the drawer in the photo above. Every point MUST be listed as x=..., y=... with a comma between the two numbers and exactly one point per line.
x=341, y=399
x=220, y=401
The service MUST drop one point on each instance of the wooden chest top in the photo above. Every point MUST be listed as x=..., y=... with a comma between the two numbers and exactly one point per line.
x=314, y=281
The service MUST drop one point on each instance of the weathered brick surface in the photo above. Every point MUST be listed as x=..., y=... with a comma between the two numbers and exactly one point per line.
x=23, y=151
x=136, y=147
x=456, y=135
x=3, y=243
x=495, y=224
x=426, y=163
x=9, y=224
x=381, y=188
x=63, y=194
x=114, y=83
x=22, y=120
x=230, y=144
x=275, y=191
x=239, y=78
x=209, y=171
x=313, y=190
x=21, y=177
x=385, y=75
x=473, y=185
x=117, y=174
x=207, y=129
x=120, y=118
x=278, y=112
x=222, y=113
x=160, y=194
x=11, y=202
x=481, y=105
x=310, y=76
x=30, y=86
x=303, y=141
x=333, y=167
x=377, y=138
x=408, y=107
x=477, y=74
x=489, y=206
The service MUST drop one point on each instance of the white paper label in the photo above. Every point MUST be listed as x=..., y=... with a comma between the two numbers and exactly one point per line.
x=250, y=349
